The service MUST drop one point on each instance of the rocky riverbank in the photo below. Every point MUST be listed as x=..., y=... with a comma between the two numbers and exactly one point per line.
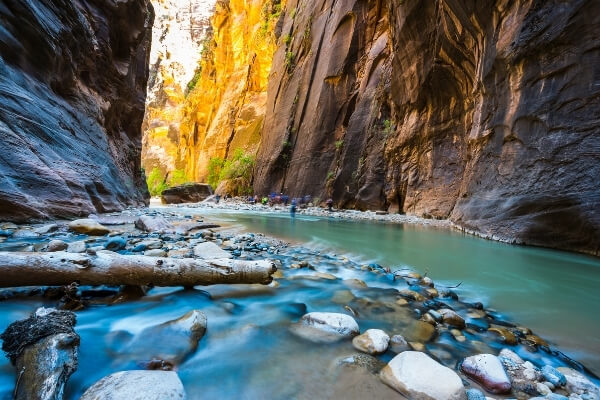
x=327, y=326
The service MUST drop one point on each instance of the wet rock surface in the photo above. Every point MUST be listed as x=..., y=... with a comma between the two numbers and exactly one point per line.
x=72, y=106
x=488, y=371
x=137, y=385
x=43, y=349
x=324, y=327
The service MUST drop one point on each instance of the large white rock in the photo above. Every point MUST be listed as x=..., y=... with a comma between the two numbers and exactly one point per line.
x=488, y=371
x=210, y=251
x=324, y=327
x=373, y=341
x=137, y=385
x=153, y=224
x=418, y=377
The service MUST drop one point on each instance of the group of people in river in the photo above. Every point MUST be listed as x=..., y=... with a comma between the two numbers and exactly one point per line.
x=276, y=199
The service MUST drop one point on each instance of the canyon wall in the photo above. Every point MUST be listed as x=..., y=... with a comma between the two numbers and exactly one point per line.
x=225, y=108
x=484, y=112
x=179, y=33
x=73, y=77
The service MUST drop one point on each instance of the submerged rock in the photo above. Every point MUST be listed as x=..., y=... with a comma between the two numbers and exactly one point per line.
x=488, y=371
x=43, y=349
x=554, y=376
x=88, y=227
x=324, y=327
x=171, y=341
x=115, y=244
x=417, y=376
x=134, y=385
x=373, y=341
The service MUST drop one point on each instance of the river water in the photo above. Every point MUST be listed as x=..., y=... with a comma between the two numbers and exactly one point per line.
x=249, y=353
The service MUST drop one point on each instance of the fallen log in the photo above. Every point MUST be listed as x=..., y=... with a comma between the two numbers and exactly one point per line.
x=109, y=268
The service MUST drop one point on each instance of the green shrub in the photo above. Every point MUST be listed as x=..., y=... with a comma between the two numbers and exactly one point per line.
x=178, y=177
x=289, y=59
x=287, y=39
x=215, y=165
x=339, y=144
x=156, y=182
x=388, y=127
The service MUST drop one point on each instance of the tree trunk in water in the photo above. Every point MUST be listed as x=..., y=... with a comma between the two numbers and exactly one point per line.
x=109, y=268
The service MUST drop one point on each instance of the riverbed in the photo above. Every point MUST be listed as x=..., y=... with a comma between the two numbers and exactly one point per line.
x=555, y=293
x=249, y=351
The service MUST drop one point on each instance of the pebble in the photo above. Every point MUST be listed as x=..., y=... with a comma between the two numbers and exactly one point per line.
x=552, y=375
x=451, y=318
x=325, y=327
x=398, y=344
x=56, y=245
x=475, y=394
x=373, y=341
x=507, y=336
x=115, y=244
x=488, y=371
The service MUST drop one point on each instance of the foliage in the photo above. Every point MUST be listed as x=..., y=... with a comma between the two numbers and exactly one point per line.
x=330, y=175
x=194, y=81
x=293, y=13
x=215, y=165
x=339, y=144
x=287, y=39
x=289, y=59
x=388, y=127
x=238, y=168
x=156, y=182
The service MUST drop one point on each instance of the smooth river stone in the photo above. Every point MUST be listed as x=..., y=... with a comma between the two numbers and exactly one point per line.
x=209, y=251
x=373, y=341
x=324, y=327
x=488, y=371
x=88, y=227
x=419, y=377
x=137, y=385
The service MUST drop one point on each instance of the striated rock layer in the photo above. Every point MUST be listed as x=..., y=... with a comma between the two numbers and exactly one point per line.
x=73, y=85
x=484, y=112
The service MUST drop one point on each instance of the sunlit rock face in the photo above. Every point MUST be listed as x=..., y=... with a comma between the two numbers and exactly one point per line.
x=484, y=112
x=73, y=77
x=178, y=35
x=225, y=108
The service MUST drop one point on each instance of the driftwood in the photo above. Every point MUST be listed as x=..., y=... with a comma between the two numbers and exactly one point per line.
x=109, y=268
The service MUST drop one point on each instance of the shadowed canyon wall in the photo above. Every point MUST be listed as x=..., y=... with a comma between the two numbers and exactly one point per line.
x=483, y=112
x=73, y=79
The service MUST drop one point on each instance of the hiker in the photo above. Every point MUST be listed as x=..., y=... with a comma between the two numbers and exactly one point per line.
x=293, y=208
x=218, y=198
x=329, y=203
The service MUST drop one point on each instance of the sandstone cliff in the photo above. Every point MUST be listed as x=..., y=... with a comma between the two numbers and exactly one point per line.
x=178, y=37
x=484, y=112
x=73, y=85
x=225, y=109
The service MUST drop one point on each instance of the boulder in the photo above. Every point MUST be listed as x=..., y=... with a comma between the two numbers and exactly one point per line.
x=209, y=250
x=171, y=341
x=56, y=245
x=137, y=385
x=88, y=226
x=149, y=223
x=188, y=193
x=373, y=341
x=417, y=376
x=325, y=327
x=43, y=349
x=488, y=371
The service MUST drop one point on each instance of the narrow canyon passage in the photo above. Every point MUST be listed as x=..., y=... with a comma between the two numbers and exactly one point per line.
x=294, y=199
